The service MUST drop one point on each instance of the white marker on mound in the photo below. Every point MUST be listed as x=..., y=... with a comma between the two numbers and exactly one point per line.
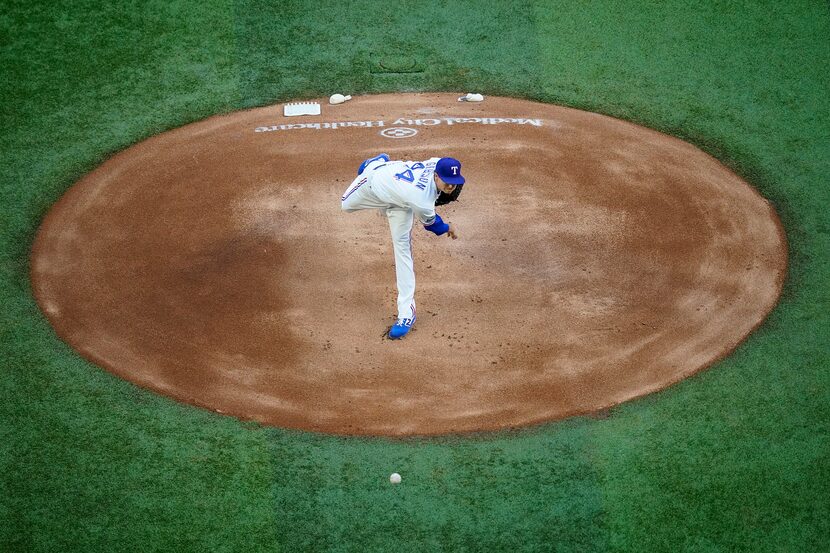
x=339, y=99
x=470, y=97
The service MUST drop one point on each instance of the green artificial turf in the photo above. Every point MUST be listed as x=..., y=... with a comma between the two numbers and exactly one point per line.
x=734, y=459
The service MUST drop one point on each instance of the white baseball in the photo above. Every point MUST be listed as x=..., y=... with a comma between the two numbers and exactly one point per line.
x=395, y=478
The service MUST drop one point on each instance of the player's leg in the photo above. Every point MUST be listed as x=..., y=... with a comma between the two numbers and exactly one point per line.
x=359, y=196
x=400, y=226
x=353, y=196
x=377, y=160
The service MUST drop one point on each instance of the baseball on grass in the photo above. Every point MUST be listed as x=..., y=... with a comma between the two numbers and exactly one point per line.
x=395, y=478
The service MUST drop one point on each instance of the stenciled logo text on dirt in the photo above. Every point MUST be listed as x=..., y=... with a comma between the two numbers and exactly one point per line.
x=332, y=125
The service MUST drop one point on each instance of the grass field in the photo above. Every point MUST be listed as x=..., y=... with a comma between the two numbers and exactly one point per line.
x=734, y=459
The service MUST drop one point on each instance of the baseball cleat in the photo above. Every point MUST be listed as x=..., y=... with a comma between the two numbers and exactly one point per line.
x=401, y=328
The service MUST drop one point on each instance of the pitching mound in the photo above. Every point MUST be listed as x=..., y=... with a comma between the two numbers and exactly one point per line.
x=597, y=261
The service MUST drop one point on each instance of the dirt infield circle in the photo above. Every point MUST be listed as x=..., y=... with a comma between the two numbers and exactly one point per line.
x=597, y=261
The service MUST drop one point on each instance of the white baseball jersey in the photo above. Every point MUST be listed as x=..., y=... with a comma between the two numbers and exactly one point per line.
x=403, y=191
x=408, y=184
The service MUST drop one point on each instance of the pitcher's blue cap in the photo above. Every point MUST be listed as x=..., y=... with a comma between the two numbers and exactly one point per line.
x=449, y=169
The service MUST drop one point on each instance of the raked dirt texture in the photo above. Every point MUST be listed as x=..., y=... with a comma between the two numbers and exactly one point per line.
x=734, y=458
x=214, y=264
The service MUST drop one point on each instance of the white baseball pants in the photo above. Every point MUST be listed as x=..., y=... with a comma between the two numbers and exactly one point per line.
x=359, y=196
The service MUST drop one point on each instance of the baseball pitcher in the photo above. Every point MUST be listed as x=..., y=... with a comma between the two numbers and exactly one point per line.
x=403, y=191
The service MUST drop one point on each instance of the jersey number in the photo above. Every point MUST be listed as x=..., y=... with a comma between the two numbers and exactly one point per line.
x=407, y=175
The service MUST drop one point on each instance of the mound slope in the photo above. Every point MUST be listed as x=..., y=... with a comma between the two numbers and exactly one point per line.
x=598, y=261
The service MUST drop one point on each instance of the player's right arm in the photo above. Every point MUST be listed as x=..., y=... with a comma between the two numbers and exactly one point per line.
x=439, y=227
x=434, y=224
